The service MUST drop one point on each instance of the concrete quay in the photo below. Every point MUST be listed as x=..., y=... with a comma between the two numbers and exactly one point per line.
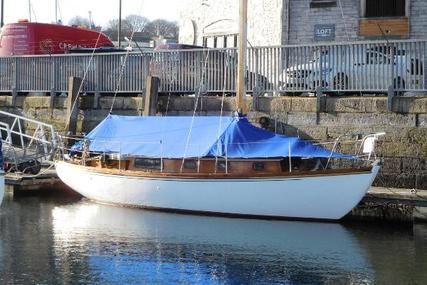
x=404, y=148
x=383, y=204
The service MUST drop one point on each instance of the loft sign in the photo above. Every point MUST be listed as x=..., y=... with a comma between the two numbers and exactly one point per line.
x=324, y=32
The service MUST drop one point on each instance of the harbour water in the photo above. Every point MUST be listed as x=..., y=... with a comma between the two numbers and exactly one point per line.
x=74, y=241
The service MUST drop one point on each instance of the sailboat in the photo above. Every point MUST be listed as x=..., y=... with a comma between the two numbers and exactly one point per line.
x=216, y=165
x=212, y=165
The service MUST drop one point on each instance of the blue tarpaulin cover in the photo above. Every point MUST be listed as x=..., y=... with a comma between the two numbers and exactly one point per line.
x=208, y=136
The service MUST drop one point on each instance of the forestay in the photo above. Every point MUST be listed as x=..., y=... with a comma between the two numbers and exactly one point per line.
x=186, y=137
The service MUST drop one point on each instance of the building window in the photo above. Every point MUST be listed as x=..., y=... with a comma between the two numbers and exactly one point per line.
x=323, y=3
x=385, y=8
x=220, y=41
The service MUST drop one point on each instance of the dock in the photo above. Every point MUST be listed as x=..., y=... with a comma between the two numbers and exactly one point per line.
x=395, y=205
x=21, y=184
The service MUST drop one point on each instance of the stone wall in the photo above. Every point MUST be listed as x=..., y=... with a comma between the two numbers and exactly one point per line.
x=264, y=20
x=302, y=19
x=418, y=19
x=404, y=147
x=268, y=20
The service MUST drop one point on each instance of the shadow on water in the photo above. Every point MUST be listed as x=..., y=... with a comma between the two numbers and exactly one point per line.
x=77, y=241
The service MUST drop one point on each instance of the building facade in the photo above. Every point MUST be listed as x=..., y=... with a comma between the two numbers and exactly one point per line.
x=214, y=23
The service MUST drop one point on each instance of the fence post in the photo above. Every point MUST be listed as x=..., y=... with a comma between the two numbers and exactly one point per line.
x=52, y=84
x=15, y=82
x=151, y=95
x=98, y=77
x=393, y=83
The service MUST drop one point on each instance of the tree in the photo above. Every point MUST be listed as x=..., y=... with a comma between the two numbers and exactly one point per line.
x=130, y=24
x=162, y=28
x=79, y=21
x=142, y=28
x=137, y=23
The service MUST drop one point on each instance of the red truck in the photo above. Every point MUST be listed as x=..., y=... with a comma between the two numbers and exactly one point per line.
x=27, y=38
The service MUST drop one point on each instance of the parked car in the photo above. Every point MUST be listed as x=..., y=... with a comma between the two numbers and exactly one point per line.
x=181, y=68
x=355, y=69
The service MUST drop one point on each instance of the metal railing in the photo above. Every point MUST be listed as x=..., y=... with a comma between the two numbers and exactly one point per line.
x=111, y=151
x=373, y=66
x=26, y=139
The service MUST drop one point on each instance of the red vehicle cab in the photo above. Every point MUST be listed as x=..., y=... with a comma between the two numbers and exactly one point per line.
x=25, y=38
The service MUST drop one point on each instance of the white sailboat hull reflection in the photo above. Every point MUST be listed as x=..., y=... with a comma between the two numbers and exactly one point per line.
x=317, y=245
x=307, y=197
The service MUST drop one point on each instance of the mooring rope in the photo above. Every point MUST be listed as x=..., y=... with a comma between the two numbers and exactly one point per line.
x=196, y=103
x=227, y=61
x=83, y=81
x=123, y=65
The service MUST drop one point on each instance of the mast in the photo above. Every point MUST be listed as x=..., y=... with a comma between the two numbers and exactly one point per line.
x=2, y=14
x=243, y=35
x=29, y=9
x=120, y=24
x=56, y=11
x=91, y=26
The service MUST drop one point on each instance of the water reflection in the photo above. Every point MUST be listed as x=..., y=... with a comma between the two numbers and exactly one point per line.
x=57, y=241
x=130, y=245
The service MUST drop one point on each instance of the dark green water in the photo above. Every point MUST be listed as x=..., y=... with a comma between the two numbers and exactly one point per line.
x=73, y=241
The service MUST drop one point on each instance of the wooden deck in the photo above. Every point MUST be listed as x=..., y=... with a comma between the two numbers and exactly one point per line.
x=46, y=180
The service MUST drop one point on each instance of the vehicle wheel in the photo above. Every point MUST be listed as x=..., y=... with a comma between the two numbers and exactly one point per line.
x=340, y=82
x=317, y=83
x=399, y=84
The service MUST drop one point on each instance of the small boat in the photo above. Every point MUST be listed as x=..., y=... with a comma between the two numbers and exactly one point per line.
x=216, y=166
x=29, y=38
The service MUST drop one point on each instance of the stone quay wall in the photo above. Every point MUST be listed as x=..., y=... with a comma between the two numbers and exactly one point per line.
x=404, y=148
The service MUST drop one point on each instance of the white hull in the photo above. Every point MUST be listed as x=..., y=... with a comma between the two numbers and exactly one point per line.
x=2, y=186
x=315, y=197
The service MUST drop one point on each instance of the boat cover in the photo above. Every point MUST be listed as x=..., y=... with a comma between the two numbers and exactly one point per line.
x=185, y=137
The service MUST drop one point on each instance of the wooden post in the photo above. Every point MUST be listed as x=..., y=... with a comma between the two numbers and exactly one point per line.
x=52, y=100
x=390, y=97
x=14, y=96
x=151, y=95
x=96, y=97
x=72, y=109
x=319, y=103
x=243, y=35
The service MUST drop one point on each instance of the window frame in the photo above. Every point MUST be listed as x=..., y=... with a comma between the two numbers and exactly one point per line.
x=190, y=164
x=323, y=3
x=156, y=164
x=258, y=166
x=363, y=9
